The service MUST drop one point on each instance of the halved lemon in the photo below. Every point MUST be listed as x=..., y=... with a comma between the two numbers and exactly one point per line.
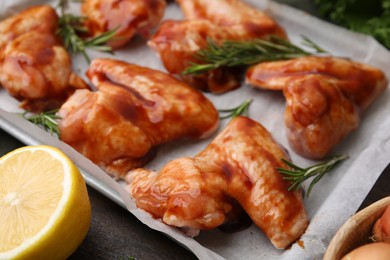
x=45, y=210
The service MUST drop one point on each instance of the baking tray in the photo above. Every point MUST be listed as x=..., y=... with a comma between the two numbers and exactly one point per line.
x=332, y=201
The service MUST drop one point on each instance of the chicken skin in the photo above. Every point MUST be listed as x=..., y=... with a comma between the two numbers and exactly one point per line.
x=35, y=68
x=325, y=98
x=246, y=21
x=39, y=19
x=178, y=41
x=127, y=17
x=133, y=110
x=238, y=169
x=318, y=115
x=220, y=20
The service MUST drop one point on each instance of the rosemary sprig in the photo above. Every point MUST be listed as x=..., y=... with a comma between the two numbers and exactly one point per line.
x=46, y=119
x=71, y=26
x=314, y=46
x=236, y=111
x=245, y=53
x=63, y=5
x=298, y=175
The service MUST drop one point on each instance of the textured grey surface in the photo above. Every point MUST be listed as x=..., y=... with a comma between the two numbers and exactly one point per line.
x=8, y=143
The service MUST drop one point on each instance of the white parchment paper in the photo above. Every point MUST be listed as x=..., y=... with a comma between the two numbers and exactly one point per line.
x=333, y=200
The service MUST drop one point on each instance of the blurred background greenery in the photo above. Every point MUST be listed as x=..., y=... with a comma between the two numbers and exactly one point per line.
x=365, y=16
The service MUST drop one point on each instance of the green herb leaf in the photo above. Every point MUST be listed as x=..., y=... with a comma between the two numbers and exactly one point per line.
x=63, y=5
x=242, y=109
x=312, y=45
x=246, y=53
x=46, y=119
x=297, y=175
x=71, y=26
x=369, y=17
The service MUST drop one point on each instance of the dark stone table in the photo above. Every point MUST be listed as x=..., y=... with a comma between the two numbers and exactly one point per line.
x=117, y=234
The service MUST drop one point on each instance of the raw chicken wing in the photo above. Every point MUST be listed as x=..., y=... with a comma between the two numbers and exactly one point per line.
x=127, y=17
x=35, y=68
x=177, y=42
x=134, y=110
x=220, y=20
x=318, y=115
x=240, y=18
x=41, y=19
x=360, y=82
x=325, y=97
x=238, y=169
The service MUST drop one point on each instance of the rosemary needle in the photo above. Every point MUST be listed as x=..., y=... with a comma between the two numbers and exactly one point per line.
x=46, y=119
x=69, y=28
x=297, y=175
x=236, y=111
x=245, y=53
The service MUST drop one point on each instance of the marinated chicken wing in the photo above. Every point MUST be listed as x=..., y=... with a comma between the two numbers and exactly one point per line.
x=360, y=82
x=127, y=17
x=35, y=68
x=221, y=20
x=177, y=42
x=41, y=19
x=325, y=97
x=318, y=115
x=238, y=169
x=133, y=110
x=246, y=21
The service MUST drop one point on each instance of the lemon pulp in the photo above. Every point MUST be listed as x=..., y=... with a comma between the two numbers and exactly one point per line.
x=44, y=205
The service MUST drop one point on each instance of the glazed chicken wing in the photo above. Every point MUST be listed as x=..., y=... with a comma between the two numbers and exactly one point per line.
x=318, y=115
x=39, y=19
x=360, y=82
x=134, y=110
x=246, y=21
x=127, y=17
x=177, y=42
x=35, y=68
x=325, y=97
x=221, y=20
x=238, y=169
